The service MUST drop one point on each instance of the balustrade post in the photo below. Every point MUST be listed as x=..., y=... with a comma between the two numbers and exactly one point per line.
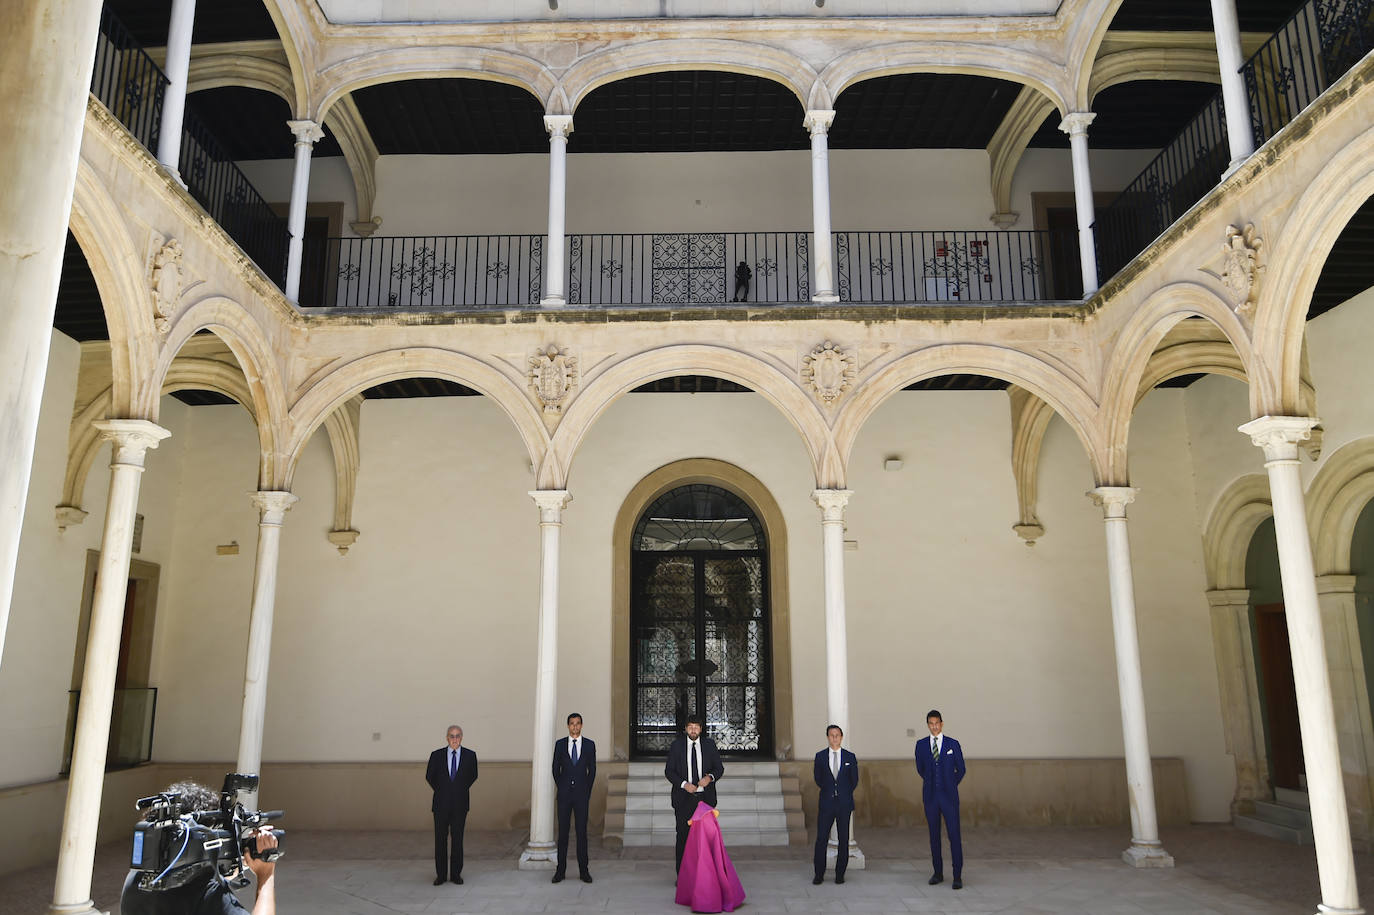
x=307, y=134
x=176, y=68
x=1075, y=124
x=558, y=127
x=822, y=252
x=1239, y=134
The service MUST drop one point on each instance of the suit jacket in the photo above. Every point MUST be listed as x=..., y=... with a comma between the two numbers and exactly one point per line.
x=451, y=793
x=675, y=770
x=940, y=779
x=574, y=781
x=837, y=794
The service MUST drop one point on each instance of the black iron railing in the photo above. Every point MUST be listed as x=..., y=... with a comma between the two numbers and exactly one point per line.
x=226, y=193
x=127, y=82
x=681, y=268
x=131, y=728
x=1313, y=49
x=1184, y=171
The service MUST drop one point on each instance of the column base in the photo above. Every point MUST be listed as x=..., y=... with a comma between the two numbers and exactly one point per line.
x=856, y=856
x=1235, y=164
x=1147, y=856
x=1337, y=910
x=78, y=908
x=553, y=301
x=538, y=856
x=825, y=298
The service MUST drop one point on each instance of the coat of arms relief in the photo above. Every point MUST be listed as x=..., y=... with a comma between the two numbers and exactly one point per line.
x=167, y=280
x=553, y=376
x=1241, y=267
x=829, y=371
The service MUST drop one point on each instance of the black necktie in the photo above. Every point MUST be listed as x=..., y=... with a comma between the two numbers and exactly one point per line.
x=574, y=753
x=696, y=768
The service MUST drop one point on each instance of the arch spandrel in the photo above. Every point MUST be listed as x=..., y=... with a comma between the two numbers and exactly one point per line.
x=1297, y=254
x=1045, y=381
x=332, y=390
x=598, y=393
x=669, y=54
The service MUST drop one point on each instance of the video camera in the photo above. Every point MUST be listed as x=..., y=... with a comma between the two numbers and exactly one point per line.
x=169, y=843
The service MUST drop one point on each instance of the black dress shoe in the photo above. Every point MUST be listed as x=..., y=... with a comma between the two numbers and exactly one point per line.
x=817, y=880
x=585, y=877
x=957, y=884
x=439, y=881
x=458, y=880
x=839, y=878
x=936, y=878
x=558, y=877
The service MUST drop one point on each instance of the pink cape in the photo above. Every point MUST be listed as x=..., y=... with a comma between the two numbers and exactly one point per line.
x=707, y=881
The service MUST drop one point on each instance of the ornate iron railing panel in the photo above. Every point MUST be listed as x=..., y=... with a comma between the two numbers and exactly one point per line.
x=1313, y=49
x=132, y=716
x=230, y=198
x=1184, y=171
x=127, y=82
x=956, y=266
x=428, y=271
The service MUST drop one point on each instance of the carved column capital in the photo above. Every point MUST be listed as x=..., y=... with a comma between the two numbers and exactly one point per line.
x=551, y=503
x=1075, y=123
x=558, y=125
x=818, y=121
x=1279, y=435
x=307, y=133
x=1113, y=500
x=272, y=505
x=130, y=438
x=831, y=503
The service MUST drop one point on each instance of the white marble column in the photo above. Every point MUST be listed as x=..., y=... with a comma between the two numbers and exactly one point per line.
x=542, y=853
x=1239, y=134
x=307, y=133
x=47, y=50
x=1146, y=850
x=1075, y=125
x=1242, y=719
x=1279, y=436
x=832, y=503
x=272, y=508
x=176, y=68
x=818, y=123
x=558, y=127
x=130, y=440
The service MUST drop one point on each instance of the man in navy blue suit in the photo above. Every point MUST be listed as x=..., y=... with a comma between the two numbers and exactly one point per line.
x=837, y=775
x=574, y=771
x=940, y=762
x=450, y=773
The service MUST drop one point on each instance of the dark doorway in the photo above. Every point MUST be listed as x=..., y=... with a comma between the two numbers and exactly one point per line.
x=699, y=623
x=1280, y=697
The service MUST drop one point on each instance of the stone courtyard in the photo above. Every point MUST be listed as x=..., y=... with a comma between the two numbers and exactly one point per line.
x=1012, y=870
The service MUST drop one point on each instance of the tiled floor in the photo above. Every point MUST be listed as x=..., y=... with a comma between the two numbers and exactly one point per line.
x=1047, y=871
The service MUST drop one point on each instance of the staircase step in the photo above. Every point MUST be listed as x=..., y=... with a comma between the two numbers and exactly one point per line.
x=1283, y=815
x=1289, y=834
x=1292, y=798
x=759, y=806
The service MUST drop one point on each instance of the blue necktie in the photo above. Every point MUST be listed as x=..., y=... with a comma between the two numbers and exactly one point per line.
x=452, y=764
x=574, y=753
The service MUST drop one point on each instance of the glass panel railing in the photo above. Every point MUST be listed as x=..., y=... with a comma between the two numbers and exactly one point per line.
x=131, y=728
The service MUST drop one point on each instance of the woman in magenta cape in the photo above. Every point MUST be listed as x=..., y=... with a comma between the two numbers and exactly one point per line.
x=707, y=881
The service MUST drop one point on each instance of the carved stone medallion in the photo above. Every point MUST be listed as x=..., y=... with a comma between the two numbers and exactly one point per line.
x=1241, y=267
x=167, y=281
x=553, y=375
x=829, y=370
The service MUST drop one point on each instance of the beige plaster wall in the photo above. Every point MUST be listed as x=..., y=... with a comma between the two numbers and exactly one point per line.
x=1339, y=367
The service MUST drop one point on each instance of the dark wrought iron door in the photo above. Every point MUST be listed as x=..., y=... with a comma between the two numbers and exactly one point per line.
x=699, y=637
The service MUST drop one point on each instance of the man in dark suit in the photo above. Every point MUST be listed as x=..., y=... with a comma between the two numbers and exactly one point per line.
x=837, y=775
x=940, y=762
x=693, y=768
x=574, y=771
x=451, y=772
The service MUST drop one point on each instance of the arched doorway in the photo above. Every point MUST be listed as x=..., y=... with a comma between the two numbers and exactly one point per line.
x=700, y=622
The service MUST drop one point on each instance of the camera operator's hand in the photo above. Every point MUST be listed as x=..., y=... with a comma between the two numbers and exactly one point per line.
x=261, y=869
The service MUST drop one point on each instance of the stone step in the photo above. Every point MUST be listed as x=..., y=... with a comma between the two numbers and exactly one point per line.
x=1291, y=797
x=1283, y=815
x=733, y=768
x=1289, y=834
x=759, y=806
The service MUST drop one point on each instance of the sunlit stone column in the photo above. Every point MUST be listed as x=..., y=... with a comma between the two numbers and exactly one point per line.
x=1239, y=134
x=130, y=440
x=308, y=133
x=272, y=508
x=1232, y=638
x=1076, y=126
x=832, y=503
x=47, y=50
x=1279, y=436
x=541, y=853
x=1146, y=850
x=823, y=250
x=558, y=127
x=176, y=68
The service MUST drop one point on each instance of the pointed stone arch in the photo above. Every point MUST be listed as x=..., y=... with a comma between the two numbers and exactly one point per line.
x=1335, y=500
